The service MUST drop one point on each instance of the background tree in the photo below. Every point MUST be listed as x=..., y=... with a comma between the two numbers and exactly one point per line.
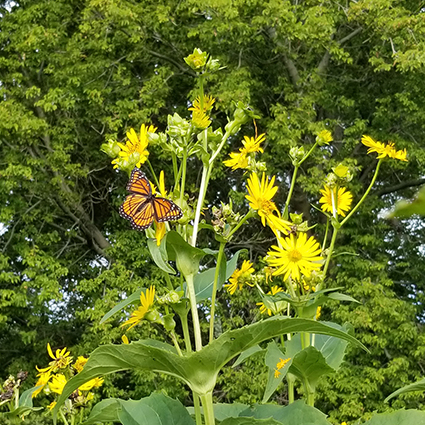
x=74, y=74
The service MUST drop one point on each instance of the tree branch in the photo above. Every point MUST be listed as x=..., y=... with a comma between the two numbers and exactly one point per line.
x=400, y=186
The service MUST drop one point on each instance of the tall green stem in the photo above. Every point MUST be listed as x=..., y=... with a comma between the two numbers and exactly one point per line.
x=365, y=194
x=248, y=215
x=207, y=404
x=214, y=291
x=291, y=392
x=200, y=204
x=183, y=184
x=194, y=310
x=197, y=406
x=330, y=252
x=186, y=334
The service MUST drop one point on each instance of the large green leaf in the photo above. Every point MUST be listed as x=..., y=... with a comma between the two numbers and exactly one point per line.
x=401, y=417
x=250, y=421
x=417, y=386
x=297, y=413
x=204, y=282
x=104, y=411
x=198, y=369
x=273, y=356
x=157, y=409
x=135, y=296
x=187, y=257
x=309, y=365
x=159, y=254
x=246, y=354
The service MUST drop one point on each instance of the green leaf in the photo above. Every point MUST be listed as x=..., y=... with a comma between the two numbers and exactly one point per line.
x=342, y=297
x=417, y=386
x=135, y=296
x=250, y=421
x=105, y=411
x=247, y=353
x=159, y=254
x=223, y=411
x=26, y=397
x=157, y=409
x=204, y=282
x=309, y=365
x=297, y=413
x=187, y=257
x=400, y=417
x=273, y=356
x=333, y=349
x=405, y=209
x=198, y=369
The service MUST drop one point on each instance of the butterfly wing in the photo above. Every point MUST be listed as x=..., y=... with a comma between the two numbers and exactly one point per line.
x=139, y=210
x=139, y=183
x=166, y=210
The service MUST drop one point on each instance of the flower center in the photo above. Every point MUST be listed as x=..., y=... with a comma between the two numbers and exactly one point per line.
x=267, y=207
x=294, y=256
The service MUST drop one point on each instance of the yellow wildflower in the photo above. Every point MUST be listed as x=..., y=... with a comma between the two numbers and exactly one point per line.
x=51, y=405
x=332, y=202
x=237, y=160
x=61, y=359
x=159, y=232
x=324, y=137
x=125, y=339
x=384, y=150
x=240, y=277
x=44, y=378
x=260, y=199
x=135, y=150
x=58, y=383
x=79, y=363
x=298, y=256
x=93, y=383
x=251, y=144
x=146, y=301
x=318, y=312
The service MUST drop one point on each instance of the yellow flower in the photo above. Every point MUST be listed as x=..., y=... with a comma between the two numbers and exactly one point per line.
x=197, y=59
x=93, y=383
x=342, y=202
x=276, y=373
x=79, y=363
x=344, y=423
x=125, y=339
x=43, y=379
x=298, y=256
x=207, y=104
x=237, y=160
x=263, y=309
x=384, y=150
x=159, y=232
x=51, y=405
x=282, y=362
x=240, y=277
x=58, y=383
x=199, y=114
x=135, y=150
x=61, y=359
x=260, y=199
x=251, y=144
x=341, y=171
x=162, y=190
x=324, y=137
x=318, y=312
x=146, y=301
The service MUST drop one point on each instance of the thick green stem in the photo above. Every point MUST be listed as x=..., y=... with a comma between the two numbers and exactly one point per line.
x=194, y=310
x=326, y=235
x=290, y=379
x=186, y=334
x=365, y=194
x=201, y=197
x=197, y=406
x=331, y=249
x=310, y=395
x=183, y=183
x=207, y=405
x=214, y=291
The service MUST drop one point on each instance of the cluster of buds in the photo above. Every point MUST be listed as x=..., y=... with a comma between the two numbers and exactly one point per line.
x=225, y=219
x=11, y=385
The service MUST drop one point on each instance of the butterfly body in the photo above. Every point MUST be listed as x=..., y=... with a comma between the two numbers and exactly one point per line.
x=142, y=207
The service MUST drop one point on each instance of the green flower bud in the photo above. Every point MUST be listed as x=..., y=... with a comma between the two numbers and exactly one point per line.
x=111, y=148
x=296, y=218
x=169, y=323
x=197, y=60
x=154, y=316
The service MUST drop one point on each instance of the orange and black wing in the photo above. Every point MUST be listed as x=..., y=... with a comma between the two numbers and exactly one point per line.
x=139, y=183
x=166, y=210
x=139, y=210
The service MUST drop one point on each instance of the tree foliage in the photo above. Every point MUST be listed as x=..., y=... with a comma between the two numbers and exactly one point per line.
x=75, y=74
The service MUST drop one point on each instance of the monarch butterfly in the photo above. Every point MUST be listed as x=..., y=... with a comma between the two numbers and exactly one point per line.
x=142, y=207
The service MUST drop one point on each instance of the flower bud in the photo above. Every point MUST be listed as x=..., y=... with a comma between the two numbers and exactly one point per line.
x=111, y=148
x=324, y=138
x=197, y=60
